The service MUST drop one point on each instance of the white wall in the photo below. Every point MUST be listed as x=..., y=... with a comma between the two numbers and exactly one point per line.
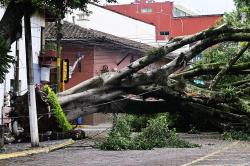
x=36, y=22
x=116, y=24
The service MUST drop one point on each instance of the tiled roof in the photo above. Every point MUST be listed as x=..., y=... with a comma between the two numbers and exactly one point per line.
x=73, y=32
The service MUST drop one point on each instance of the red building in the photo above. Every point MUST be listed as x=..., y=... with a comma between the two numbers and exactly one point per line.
x=169, y=20
x=98, y=52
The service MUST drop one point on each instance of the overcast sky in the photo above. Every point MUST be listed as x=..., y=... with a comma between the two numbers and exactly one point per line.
x=203, y=6
x=209, y=6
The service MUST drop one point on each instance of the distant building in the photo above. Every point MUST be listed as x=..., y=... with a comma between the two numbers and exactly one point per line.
x=171, y=20
x=99, y=52
x=114, y=23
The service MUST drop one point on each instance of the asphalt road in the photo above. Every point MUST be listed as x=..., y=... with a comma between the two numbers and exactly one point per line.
x=212, y=152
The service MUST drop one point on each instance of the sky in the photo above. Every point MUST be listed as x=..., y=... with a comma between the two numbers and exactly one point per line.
x=203, y=6
x=209, y=6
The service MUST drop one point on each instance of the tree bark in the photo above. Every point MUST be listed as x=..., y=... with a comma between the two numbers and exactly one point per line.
x=212, y=69
x=11, y=22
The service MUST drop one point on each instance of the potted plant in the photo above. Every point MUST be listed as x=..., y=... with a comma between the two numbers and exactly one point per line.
x=50, y=49
x=48, y=56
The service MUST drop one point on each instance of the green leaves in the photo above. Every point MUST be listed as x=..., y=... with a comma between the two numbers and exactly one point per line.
x=119, y=137
x=242, y=5
x=236, y=135
x=218, y=56
x=57, y=110
x=50, y=46
x=58, y=7
x=155, y=134
x=5, y=59
x=240, y=17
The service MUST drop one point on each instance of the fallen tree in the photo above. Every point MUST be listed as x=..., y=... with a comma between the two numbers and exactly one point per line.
x=171, y=88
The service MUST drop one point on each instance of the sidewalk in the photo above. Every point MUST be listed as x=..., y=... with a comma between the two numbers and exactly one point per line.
x=99, y=131
x=24, y=149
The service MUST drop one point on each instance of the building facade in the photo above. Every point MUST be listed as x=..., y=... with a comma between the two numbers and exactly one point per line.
x=114, y=23
x=98, y=53
x=171, y=20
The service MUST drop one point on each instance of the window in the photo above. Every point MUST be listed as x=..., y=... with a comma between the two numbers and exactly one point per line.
x=164, y=33
x=180, y=13
x=146, y=10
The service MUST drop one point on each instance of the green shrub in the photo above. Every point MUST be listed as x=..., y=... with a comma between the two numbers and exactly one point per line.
x=122, y=127
x=155, y=134
x=57, y=110
x=137, y=122
x=236, y=135
x=119, y=136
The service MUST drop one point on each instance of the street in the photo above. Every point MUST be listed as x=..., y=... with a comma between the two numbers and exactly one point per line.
x=212, y=152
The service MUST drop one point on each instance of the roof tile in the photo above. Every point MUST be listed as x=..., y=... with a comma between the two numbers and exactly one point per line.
x=75, y=32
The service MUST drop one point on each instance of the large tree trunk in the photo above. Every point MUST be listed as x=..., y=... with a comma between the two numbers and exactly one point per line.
x=11, y=22
x=10, y=30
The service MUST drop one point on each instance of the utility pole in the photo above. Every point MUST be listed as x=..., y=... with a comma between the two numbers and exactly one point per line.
x=58, y=47
x=1, y=116
x=16, y=82
x=30, y=79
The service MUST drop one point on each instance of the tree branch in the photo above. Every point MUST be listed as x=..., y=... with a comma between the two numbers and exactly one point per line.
x=227, y=67
x=212, y=69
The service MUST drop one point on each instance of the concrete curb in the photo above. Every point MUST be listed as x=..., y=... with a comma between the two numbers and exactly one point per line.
x=36, y=150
